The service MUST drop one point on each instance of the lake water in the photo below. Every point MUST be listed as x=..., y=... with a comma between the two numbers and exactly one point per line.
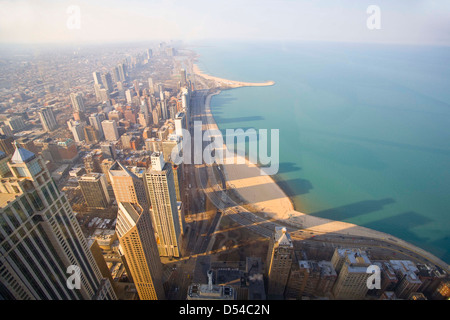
x=364, y=129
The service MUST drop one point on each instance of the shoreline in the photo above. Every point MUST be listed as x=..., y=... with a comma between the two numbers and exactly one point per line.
x=229, y=83
x=247, y=181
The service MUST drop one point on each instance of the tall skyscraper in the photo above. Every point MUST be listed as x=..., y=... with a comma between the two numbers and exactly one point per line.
x=97, y=78
x=107, y=81
x=109, y=151
x=41, y=241
x=115, y=74
x=180, y=124
x=149, y=53
x=77, y=102
x=95, y=120
x=91, y=136
x=47, y=118
x=138, y=244
x=279, y=262
x=183, y=78
x=6, y=130
x=6, y=144
x=110, y=130
x=135, y=231
x=127, y=186
x=122, y=71
x=77, y=129
x=151, y=87
x=160, y=186
x=94, y=189
x=16, y=123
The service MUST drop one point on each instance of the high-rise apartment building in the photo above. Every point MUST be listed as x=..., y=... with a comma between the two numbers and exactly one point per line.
x=107, y=81
x=16, y=123
x=138, y=245
x=91, y=136
x=6, y=144
x=136, y=234
x=278, y=263
x=41, y=243
x=95, y=120
x=109, y=151
x=94, y=188
x=97, y=78
x=110, y=130
x=77, y=129
x=151, y=87
x=47, y=118
x=127, y=186
x=160, y=186
x=180, y=123
x=183, y=77
x=77, y=102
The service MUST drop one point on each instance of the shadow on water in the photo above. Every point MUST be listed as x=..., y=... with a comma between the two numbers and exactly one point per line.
x=353, y=210
x=286, y=167
x=385, y=143
x=402, y=226
x=224, y=98
x=223, y=120
x=302, y=186
x=442, y=246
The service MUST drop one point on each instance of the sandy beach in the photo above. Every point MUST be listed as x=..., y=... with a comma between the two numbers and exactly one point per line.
x=229, y=83
x=263, y=193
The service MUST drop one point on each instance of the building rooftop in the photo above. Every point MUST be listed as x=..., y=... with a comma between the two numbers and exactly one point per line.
x=282, y=237
x=22, y=155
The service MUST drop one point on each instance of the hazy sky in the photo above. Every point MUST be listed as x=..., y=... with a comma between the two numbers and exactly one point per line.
x=402, y=21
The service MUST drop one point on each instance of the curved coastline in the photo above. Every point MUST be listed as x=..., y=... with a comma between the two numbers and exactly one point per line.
x=225, y=83
x=255, y=188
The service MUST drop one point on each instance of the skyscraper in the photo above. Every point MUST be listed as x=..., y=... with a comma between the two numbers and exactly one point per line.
x=97, y=78
x=41, y=241
x=95, y=120
x=47, y=118
x=77, y=129
x=94, y=189
x=135, y=231
x=127, y=186
x=110, y=130
x=151, y=87
x=77, y=102
x=107, y=81
x=180, y=123
x=183, y=78
x=108, y=150
x=122, y=71
x=279, y=262
x=138, y=244
x=160, y=187
x=6, y=144
x=91, y=136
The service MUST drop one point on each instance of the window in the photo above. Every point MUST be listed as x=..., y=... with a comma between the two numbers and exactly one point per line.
x=36, y=200
x=27, y=206
x=23, y=216
x=10, y=215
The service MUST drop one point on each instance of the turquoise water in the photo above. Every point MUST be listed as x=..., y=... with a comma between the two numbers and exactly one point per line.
x=364, y=129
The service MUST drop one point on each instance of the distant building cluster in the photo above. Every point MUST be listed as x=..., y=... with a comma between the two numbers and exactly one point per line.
x=87, y=180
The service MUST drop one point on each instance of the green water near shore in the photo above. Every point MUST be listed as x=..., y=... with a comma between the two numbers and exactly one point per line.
x=364, y=129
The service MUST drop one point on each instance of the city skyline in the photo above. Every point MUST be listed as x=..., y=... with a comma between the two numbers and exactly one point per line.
x=92, y=136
